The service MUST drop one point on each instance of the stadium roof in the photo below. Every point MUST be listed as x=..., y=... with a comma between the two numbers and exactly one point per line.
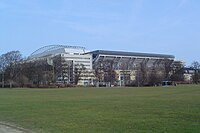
x=121, y=53
x=56, y=49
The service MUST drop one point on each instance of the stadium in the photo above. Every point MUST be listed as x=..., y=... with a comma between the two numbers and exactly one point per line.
x=97, y=64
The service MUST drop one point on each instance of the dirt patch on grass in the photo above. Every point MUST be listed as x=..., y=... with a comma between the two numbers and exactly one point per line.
x=7, y=128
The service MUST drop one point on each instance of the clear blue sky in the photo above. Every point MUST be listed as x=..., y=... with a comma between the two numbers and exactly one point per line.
x=152, y=26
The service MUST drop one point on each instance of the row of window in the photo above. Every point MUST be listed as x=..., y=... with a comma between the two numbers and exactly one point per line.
x=86, y=58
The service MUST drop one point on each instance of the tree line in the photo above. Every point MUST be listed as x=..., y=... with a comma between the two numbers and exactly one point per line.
x=105, y=72
x=16, y=71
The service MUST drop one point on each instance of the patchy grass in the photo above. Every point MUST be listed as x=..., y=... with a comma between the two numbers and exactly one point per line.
x=89, y=110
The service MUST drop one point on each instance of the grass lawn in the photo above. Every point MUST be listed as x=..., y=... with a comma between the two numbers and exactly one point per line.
x=103, y=110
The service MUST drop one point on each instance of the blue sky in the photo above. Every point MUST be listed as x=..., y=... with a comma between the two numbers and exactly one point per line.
x=151, y=26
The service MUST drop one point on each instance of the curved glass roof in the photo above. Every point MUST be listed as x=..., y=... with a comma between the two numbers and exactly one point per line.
x=50, y=48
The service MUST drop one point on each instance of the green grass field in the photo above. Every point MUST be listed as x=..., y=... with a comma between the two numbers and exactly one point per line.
x=103, y=110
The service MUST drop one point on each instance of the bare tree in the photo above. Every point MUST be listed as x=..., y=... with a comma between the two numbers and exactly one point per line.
x=177, y=72
x=99, y=71
x=104, y=71
x=124, y=73
x=167, y=68
x=63, y=70
x=109, y=72
x=141, y=77
x=78, y=70
x=155, y=76
x=196, y=76
x=8, y=63
x=35, y=73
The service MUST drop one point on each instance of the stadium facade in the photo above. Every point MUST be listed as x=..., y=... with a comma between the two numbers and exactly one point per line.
x=98, y=63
